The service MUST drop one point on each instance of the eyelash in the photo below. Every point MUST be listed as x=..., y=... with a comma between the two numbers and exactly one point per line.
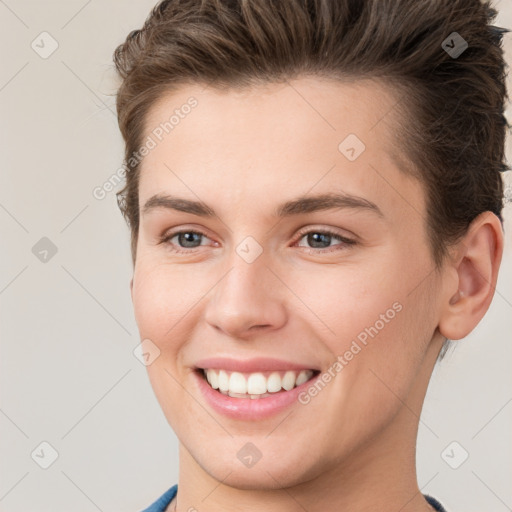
x=346, y=242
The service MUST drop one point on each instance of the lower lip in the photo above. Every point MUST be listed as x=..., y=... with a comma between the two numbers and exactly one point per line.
x=248, y=408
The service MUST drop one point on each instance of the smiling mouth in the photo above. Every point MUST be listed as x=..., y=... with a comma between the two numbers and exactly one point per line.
x=255, y=385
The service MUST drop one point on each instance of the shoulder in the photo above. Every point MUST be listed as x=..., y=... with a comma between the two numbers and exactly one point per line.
x=434, y=503
x=163, y=501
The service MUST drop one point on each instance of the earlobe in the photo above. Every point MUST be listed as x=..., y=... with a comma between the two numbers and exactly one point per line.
x=476, y=267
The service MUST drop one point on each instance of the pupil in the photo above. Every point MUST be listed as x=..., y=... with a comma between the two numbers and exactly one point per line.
x=313, y=239
x=188, y=238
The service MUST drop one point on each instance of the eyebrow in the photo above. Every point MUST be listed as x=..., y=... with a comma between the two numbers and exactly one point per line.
x=298, y=206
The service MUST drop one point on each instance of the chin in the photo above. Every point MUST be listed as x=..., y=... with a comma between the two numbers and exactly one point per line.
x=269, y=473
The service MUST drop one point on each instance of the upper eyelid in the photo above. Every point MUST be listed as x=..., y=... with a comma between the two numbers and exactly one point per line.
x=328, y=230
x=171, y=233
x=300, y=232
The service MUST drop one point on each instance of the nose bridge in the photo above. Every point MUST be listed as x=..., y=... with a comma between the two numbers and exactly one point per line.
x=247, y=261
x=246, y=284
x=247, y=296
x=245, y=279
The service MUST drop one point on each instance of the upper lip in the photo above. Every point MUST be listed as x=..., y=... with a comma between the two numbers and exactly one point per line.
x=260, y=364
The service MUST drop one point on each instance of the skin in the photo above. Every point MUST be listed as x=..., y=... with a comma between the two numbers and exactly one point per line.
x=243, y=152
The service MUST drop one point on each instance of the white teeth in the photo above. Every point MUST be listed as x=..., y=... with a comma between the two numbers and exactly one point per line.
x=255, y=385
x=274, y=382
x=302, y=377
x=237, y=383
x=289, y=380
x=223, y=381
x=213, y=378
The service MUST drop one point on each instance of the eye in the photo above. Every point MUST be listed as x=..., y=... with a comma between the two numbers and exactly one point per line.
x=186, y=239
x=321, y=238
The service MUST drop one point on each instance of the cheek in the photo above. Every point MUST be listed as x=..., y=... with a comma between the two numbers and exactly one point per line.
x=379, y=318
x=344, y=301
x=162, y=299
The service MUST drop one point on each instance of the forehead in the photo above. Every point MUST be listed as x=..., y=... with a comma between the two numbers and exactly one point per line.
x=278, y=139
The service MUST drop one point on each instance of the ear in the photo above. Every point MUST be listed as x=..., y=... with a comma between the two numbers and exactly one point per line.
x=476, y=264
x=131, y=288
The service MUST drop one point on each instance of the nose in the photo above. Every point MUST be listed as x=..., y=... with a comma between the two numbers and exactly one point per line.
x=249, y=299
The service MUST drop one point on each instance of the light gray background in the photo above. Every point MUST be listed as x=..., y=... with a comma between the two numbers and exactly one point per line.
x=68, y=373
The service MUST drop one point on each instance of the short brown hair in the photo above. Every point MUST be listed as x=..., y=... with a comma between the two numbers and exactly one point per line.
x=454, y=133
x=453, y=126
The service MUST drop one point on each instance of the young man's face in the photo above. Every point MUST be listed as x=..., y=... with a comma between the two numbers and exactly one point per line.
x=254, y=284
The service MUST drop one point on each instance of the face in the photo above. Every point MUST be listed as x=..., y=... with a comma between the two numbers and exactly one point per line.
x=260, y=270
